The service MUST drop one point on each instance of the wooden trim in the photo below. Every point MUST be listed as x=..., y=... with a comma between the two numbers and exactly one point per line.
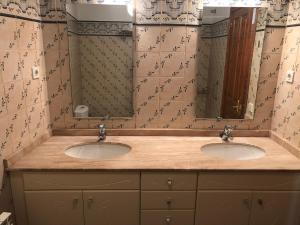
x=159, y=132
x=291, y=148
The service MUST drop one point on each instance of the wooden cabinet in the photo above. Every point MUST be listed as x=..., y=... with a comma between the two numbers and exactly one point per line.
x=54, y=207
x=156, y=198
x=223, y=207
x=111, y=207
x=276, y=208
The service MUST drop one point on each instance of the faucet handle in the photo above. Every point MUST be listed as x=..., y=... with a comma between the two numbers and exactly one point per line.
x=101, y=126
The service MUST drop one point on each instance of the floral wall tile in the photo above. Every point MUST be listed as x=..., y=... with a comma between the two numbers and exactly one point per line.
x=172, y=64
x=148, y=38
x=173, y=39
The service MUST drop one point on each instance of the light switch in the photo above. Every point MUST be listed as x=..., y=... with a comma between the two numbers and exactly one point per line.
x=35, y=72
x=290, y=76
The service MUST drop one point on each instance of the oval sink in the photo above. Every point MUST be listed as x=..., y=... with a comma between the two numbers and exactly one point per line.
x=233, y=151
x=101, y=151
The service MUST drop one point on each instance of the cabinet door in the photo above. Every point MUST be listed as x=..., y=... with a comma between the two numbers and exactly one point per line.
x=276, y=208
x=54, y=207
x=223, y=207
x=111, y=207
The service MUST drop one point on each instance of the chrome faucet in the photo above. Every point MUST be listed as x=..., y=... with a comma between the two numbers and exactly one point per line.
x=102, y=132
x=226, y=134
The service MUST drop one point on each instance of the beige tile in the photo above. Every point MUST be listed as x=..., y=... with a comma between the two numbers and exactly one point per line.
x=147, y=114
x=3, y=109
x=172, y=64
x=33, y=89
x=146, y=89
x=148, y=38
x=273, y=40
x=10, y=68
x=173, y=39
x=147, y=64
x=170, y=113
x=19, y=130
x=171, y=88
x=15, y=96
x=27, y=61
x=9, y=35
x=50, y=36
x=5, y=137
x=26, y=40
x=193, y=39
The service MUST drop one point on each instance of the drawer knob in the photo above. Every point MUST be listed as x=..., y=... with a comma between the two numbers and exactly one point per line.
x=168, y=220
x=260, y=202
x=169, y=201
x=170, y=182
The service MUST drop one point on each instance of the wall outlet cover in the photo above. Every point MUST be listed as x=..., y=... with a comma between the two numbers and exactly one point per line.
x=290, y=76
x=35, y=72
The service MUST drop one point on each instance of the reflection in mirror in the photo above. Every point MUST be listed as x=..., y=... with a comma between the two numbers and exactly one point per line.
x=101, y=48
x=231, y=41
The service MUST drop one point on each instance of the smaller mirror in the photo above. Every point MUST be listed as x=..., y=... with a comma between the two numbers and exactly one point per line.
x=231, y=41
x=100, y=34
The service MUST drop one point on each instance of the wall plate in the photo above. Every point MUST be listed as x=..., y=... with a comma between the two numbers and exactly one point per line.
x=35, y=72
x=290, y=76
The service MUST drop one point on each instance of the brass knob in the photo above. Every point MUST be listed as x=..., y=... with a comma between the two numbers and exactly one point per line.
x=260, y=202
x=170, y=182
x=237, y=107
x=168, y=220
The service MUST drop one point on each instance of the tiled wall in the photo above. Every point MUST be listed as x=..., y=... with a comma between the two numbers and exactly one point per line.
x=165, y=70
x=286, y=119
x=23, y=108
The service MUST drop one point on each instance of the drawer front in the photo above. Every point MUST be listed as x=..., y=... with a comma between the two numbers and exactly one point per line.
x=167, y=217
x=81, y=181
x=249, y=181
x=168, y=181
x=168, y=199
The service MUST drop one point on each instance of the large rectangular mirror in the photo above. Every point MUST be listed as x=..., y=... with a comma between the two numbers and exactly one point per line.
x=231, y=41
x=100, y=36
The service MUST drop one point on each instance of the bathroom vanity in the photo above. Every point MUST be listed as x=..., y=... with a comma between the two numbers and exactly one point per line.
x=173, y=183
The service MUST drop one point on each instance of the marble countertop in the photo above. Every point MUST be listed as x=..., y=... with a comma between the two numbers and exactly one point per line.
x=154, y=153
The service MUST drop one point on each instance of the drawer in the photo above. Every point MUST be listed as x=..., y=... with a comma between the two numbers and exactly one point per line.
x=167, y=217
x=81, y=180
x=249, y=181
x=168, y=181
x=168, y=199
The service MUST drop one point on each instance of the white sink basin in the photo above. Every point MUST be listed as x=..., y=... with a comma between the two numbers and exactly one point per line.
x=100, y=151
x=233, y=151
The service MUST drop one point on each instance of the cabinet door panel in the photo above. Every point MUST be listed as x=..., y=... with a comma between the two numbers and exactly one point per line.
x=223, y=208
x=111, y=207
x=276, y=208
x=54, y=207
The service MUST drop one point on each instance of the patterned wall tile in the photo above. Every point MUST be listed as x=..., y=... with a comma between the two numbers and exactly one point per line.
x=172, y=64
x=173, y=39
x=147, y=64
x=148, y=38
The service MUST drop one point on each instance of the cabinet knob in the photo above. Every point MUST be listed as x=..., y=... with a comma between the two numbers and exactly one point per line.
x=260, y=202
x=247, y=203
x=75, y=201
x=168, y=220
x=90, y=201
x=170, y=182
x=169, y=201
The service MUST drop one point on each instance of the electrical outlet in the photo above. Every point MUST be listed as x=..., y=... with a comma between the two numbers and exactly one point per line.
x=35, y=72
x=290, y=76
